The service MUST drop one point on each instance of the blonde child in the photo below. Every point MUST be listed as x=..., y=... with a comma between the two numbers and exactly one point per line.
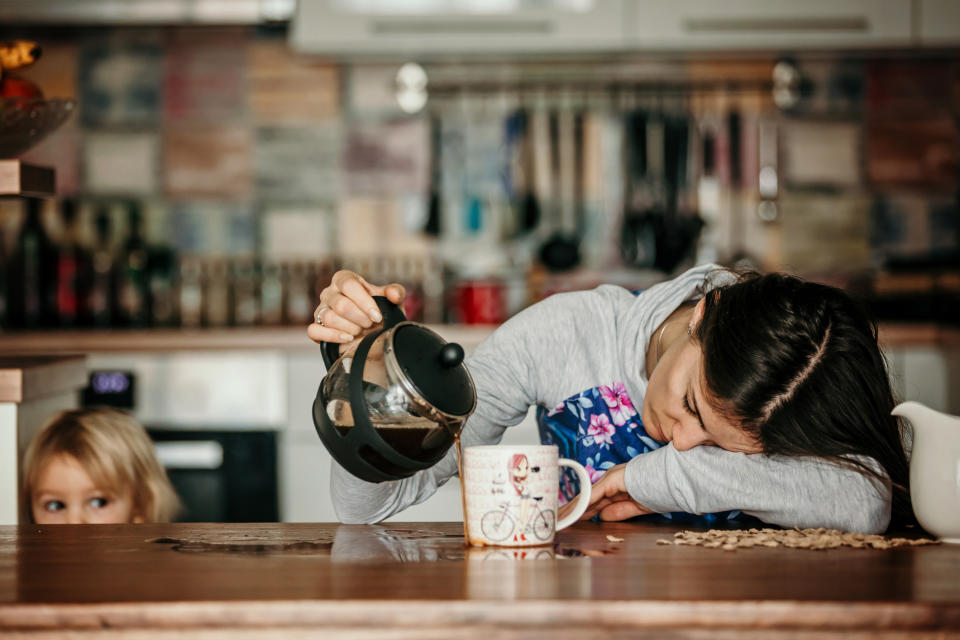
x=89, y=466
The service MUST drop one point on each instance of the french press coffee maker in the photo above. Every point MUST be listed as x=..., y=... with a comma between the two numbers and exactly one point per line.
x=394, y=404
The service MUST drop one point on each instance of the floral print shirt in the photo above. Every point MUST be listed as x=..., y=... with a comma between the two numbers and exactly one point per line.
x=600, y=428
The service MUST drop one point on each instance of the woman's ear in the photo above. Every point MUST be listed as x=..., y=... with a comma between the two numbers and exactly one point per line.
x=137, y=519
x=697, y=313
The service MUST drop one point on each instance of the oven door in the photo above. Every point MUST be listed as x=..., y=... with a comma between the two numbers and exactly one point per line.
x=221, y=476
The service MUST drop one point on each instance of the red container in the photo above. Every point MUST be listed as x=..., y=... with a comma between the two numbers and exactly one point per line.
x=481, y=302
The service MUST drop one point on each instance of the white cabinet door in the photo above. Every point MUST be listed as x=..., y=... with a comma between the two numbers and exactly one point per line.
x=407, y=27
x=768, y=24
x=939, y=22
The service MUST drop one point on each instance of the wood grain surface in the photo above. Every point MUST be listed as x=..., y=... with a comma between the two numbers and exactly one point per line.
x=418, y=581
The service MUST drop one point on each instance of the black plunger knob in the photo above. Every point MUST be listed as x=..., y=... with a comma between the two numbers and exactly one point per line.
x=451, y=354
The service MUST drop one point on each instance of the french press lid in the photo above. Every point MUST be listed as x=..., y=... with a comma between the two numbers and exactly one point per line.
x=421, y=366
x=431, y=366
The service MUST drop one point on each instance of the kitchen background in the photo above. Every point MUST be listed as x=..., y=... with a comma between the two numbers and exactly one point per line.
x=214, y=176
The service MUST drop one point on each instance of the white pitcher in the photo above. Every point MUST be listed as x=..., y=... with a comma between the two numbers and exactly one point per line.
x=934, y=469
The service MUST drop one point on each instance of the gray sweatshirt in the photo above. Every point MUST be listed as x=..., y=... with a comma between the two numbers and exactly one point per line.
x=575, y=341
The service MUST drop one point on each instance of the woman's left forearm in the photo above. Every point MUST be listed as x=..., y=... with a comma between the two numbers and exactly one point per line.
x=804, y=492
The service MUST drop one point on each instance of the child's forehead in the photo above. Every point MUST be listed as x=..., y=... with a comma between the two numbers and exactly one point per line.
x=65, y=471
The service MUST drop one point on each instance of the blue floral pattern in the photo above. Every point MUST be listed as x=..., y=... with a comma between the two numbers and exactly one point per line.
x=600, y=428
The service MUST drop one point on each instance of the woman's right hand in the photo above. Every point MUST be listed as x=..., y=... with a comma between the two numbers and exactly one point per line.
x=347, y=310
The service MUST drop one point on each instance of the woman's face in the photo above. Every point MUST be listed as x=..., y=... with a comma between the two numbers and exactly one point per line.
x=676, y=406
x=65, y=494
x=520, y=471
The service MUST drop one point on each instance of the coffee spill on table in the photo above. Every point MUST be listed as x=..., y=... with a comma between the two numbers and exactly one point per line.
x=463, y=490
x=257, y=547
x=570, y=552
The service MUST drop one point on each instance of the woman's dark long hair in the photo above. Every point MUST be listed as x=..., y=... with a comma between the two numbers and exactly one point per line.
x=797, y=364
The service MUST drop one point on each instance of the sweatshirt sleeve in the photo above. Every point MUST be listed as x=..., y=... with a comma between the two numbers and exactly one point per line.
x=510, y=372
x=786, y=491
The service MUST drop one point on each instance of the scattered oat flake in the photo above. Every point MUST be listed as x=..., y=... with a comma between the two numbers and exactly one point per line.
x=614, y=539
x=796, y=538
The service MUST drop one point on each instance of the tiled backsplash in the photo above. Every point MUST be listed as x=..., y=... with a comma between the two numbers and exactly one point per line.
x=237, y=147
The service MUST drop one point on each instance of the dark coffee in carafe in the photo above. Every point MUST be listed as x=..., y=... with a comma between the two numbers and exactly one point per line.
x=418, y=441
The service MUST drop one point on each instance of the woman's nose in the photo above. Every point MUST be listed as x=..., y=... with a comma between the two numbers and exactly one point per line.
x=686, y=437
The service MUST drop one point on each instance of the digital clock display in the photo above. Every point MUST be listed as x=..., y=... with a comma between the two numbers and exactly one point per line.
x=110, y=388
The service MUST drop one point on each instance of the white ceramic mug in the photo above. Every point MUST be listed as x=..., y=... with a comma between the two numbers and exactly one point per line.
x=511, y=494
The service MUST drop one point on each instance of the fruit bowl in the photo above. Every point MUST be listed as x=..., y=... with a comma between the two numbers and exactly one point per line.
x=24, y=122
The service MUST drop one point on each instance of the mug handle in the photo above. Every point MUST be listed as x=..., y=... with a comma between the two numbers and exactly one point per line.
x=583, y=500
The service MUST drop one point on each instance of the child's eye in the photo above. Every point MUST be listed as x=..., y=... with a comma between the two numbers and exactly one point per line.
x=53, y=505
x=98, y=503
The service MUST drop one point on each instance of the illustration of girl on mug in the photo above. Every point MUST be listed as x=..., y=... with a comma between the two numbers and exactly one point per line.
x=519, y=474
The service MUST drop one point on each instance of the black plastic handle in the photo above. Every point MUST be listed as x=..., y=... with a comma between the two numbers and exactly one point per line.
x=392, y=316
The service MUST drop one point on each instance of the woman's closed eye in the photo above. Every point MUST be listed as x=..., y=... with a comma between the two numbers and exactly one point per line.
x=693, y=412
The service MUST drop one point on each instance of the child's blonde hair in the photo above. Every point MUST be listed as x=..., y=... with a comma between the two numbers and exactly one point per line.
x=113, y=449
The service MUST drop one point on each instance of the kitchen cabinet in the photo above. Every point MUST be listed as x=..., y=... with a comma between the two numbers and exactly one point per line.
x=771, y=24
x=391, y=28
x=938, y=23
x=396, y=27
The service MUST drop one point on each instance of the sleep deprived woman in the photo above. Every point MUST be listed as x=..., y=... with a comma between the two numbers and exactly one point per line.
x=712, y=394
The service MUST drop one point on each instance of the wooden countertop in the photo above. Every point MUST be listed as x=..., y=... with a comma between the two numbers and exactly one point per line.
x=295, y=338
x=23, y=378
x=408, y=580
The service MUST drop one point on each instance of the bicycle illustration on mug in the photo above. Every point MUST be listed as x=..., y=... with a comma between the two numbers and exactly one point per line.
x=499, y=524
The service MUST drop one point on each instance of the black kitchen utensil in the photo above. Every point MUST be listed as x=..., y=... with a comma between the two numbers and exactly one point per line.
x=678, y=232
x=561, y=251
x=640, y=219
x=434, y=214
x=524, y=202
x=529, y=208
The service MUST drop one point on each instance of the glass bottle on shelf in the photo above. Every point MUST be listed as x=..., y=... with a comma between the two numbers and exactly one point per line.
x=216, y=295
x=32, y=273
x=191, y=293
x=322, y=274
x=298, y=303
x=161, y=270
x=100, y=293
x=132, y=271
x=271, y=295
x=72, y=270
x=244, y=298
x=409, y=271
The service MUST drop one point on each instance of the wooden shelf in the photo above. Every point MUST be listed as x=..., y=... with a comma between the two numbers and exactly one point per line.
x=231, y=338
x=55, y=342
x=895, y=334
x=23, y=179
